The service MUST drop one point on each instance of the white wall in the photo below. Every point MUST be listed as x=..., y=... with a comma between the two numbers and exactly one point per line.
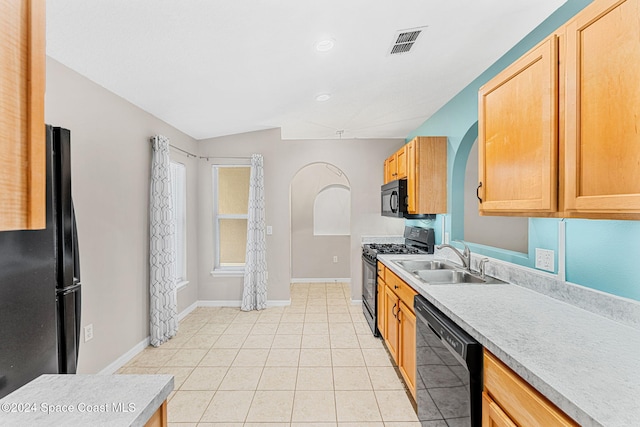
x=361, y=160
x=111, y=157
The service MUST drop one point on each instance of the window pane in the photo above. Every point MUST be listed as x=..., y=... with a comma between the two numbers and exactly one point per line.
x=233, y=242
x=233, y=190
x=178, y=190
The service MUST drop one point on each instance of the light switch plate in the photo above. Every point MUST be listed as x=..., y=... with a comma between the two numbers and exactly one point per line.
x=269, y=230
x=545, y=259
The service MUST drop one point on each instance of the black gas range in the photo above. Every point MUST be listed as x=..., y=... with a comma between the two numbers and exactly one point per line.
x=417, y=241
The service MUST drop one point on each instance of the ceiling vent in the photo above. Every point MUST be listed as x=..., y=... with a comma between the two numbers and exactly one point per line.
x=404, y=40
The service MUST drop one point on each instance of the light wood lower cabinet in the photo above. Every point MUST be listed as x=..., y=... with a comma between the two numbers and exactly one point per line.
x=508, y=400
x=407, y=346
x=399, y=326
x=493, y=415
x=391, y=332
x=159, y=418
x=381, y=306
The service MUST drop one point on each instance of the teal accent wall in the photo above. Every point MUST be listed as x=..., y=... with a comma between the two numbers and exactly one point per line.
x=599, y=254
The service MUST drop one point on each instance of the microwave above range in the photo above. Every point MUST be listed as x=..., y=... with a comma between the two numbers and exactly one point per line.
x=394, y=201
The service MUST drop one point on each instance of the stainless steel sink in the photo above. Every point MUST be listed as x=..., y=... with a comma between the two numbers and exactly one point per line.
x=451, y=277
x=447, y=276
x=437, y=272
x=413, y=265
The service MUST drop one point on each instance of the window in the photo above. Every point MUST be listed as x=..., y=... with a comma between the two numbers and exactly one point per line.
x=230, y=200
x=178, y=193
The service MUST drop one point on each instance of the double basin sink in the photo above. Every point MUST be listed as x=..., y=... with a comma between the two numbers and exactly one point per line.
x=443, y=273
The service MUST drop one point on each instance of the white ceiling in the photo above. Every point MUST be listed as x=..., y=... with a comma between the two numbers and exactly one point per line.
x=213, y=68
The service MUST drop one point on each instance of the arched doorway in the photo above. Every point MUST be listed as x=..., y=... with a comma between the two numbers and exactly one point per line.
x=320, y=207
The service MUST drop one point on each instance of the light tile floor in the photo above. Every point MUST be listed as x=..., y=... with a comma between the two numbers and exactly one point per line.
x=314, y=363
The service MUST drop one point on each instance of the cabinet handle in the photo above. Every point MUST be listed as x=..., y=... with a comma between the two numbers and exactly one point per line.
x=395, y=286
x=478, y=192
x=392, y=308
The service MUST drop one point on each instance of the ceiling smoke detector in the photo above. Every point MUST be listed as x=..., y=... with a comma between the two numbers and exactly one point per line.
x=404, y=40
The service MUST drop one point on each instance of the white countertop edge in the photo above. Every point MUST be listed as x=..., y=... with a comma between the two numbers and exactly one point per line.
x=74, y=390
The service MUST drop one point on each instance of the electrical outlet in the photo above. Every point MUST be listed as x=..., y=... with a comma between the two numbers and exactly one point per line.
x=545, y=259
x=335, y=258
x=88, y=332
x=446, y=237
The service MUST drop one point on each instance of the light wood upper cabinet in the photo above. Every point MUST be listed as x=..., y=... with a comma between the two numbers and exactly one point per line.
x=401, y=163
x=22, y=128
x=602, y=106
x=518, y=135
x=427, y=175
x=423, y=163
x=558, y=130
x=395, y=167
x=390, y=169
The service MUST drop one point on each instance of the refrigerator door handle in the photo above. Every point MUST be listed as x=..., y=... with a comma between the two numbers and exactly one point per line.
x=69, y=289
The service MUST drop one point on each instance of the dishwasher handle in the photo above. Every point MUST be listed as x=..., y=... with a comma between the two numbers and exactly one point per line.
x=450, y=333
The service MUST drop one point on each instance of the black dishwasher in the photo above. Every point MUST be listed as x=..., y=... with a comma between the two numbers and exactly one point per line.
x=449, y=370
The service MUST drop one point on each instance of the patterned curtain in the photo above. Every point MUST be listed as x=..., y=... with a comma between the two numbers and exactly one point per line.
x=254, y=296
x=162, y=302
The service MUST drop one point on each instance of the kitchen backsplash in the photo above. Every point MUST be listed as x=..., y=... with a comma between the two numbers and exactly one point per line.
x=622, y=310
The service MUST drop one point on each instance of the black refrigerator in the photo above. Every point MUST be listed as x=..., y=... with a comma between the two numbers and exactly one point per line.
x=40, y=283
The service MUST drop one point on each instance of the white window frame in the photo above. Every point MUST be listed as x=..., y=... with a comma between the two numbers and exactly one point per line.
x=179, y=194
x=217, y=268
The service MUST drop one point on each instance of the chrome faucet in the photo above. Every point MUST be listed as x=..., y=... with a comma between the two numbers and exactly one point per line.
x=465, y=256
x=482, y=266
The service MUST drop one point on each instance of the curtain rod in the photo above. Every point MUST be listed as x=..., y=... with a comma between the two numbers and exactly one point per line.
x=224, y=157
x=184, y=151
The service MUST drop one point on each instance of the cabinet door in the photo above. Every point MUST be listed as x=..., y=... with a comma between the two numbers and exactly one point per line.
x=391, y=168
x=22, y=129
x=407, y=347
x=427, y=175
x=387, y=175
x=493, y=415
x=518, y=135
x=391, y=334
x=412, y=164
x=382, y=312
x=401, y=163
x=603, y=100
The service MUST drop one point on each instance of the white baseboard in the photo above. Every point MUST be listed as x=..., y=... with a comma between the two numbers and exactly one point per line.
x=122, y=360
x=219, y=303
x=238, y=303
x=187, y=310
x=133, y=352
x=322, y=280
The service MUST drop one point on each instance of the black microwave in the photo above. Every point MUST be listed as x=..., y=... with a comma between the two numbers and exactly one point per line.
x=394, y=198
